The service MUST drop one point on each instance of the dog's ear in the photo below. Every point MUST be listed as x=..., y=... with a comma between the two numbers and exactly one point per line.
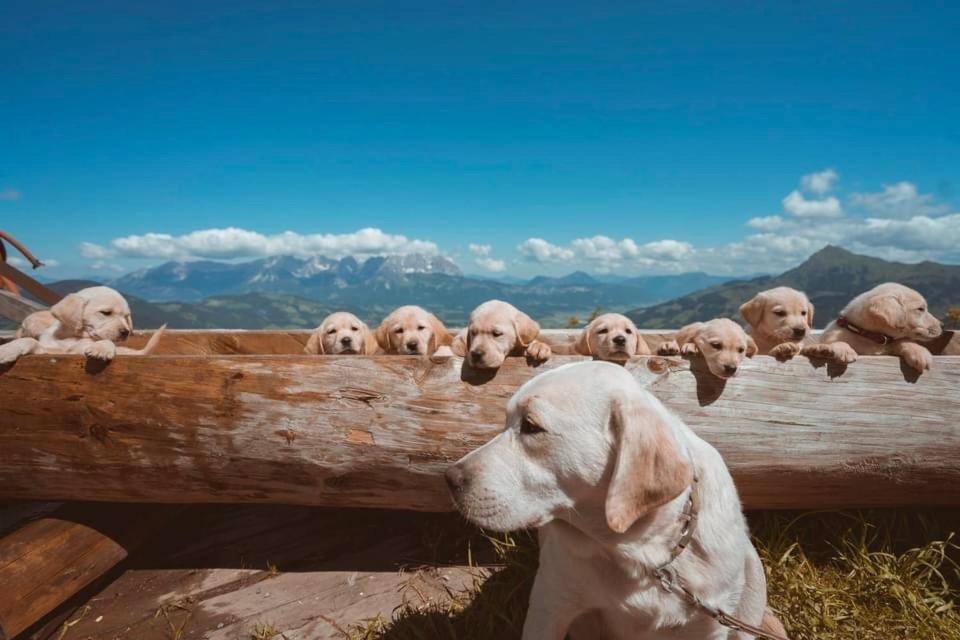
x=371, y=342
x=461, y=343
x=315, y=342
x=752, y=310
x=810, y=314
x=752, y=347
x=439, y=335
x=527, y=329
x=382, y=336
x=688, y=333
x=642, y=347
x=69, y=312
x=582, y=345
x=888, y=310
x=649, y=469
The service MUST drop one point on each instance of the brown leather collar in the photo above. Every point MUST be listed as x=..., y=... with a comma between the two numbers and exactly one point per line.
x=876, y=336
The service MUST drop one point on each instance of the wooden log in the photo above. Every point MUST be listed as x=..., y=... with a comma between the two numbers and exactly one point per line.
x=16, y=308
x=47, y=561
x=379, y=431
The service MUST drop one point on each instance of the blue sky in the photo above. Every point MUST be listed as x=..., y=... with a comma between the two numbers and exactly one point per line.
x=612, y=137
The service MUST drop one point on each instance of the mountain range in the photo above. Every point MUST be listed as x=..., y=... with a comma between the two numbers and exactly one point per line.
x=831, y=277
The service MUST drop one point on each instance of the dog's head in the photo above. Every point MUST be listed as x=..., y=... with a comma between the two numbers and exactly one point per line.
x=723, y=344
x=97, y=313
x=342, y=333
x=583, y=443
x=894, y=310
x=412, y=330
x=496, y=329
x=782, y=313
x=612, y=336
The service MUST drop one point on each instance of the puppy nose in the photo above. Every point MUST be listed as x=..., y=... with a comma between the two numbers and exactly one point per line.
x=412, y=344
x=730, y=369
x=799, y=332
x=124, y=333
x=456, y=478
x=346, y=340
x=476, y=354
x=620, y=340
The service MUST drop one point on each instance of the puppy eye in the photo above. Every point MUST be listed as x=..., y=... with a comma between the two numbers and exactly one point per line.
x=330, y=332
x=742, y=349
x=106, y=313
x=528, y=427
x=420, y=327
x=629, y=332
x=354, y=328
x=716, y=345
x=921, y=309
x=781, y=313
x=398, y=330
x=803, y=313
x=497, y=333
x=604, y=330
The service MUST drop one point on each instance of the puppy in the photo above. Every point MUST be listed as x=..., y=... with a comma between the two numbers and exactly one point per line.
x=890, y=319
x=780, y=320
x=608, y=475
x=613, y=337
x=496, y=330
x=411, y=330
x=342, y=333
x=722, y=342
x=90, y=321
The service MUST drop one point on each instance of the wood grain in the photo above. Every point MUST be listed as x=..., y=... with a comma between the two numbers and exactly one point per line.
x=379, y=431
x=16, y=308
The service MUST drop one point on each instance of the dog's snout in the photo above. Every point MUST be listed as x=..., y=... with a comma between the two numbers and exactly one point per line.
x=730, y=369
x=346, y=341
x=412, y=345
x=620, y=340
x=456, y=478
x=799, y=332
x=124, y=333
x=477, y=354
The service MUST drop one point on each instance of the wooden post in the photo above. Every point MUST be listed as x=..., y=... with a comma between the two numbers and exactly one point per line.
x=15, y=308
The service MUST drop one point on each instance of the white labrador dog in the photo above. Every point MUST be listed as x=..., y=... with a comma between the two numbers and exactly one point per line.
x=607, y=473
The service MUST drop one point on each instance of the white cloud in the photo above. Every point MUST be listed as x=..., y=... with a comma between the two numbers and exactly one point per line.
x=17, y=261
x=101, y=265
x=232, y=243
x=10, y=195
x=480, y=249
x=767, y=223
x=539, y=250
x=492, y=264
x=918, y=233
x=795, y=204
x=900, y=200
x=820, y=182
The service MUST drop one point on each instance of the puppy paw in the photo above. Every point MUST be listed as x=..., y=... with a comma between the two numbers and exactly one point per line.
x=668, y=348
x=689, y=349
x=785, y=351
x=101, y=350
x=916, y=357
x=539, y=351
x=833, y=351
x=13, y=351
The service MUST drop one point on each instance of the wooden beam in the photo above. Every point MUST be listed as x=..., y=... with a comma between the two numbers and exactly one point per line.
x=16, y=308
x=33, y=287
x=380, y=431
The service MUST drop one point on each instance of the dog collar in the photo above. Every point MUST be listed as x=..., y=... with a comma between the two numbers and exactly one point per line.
x=876, y=336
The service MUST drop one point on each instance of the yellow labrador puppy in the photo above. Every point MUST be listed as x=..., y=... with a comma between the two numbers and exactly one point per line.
x=722, y=342
x=612, y=336
x=341, y=333
x=412, y=330
x=890, y=319
x=496, y=330
x=622, y=492
x=780, y=321
x=89, y=322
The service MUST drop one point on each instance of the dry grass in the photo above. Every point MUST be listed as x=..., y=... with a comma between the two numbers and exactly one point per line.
x=867, y=575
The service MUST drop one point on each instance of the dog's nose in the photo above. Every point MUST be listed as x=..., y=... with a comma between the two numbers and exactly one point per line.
x=456, y=478
x=412, y=345
x=124, y=333
x=799, y=332
x=730, y=369
x=346, y=341
x=621, y=340
x=476, y=354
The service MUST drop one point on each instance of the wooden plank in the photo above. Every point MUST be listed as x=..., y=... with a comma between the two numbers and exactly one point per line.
x=380, y=431
x=15, y=308
x=33, y=287
x=49, y=560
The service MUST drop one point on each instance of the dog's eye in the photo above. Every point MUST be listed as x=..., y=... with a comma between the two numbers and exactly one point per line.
x=420, y=327
x=781, y=313
x=604, y=330
x=106, y=313
x=921, y=309
x=330, y=332
x=497, y=333
x=803, y=313
x=629, y=332
x=717, y=345
x=742, y=349
x=529, y=427
x=354, y=328
x=398, y=330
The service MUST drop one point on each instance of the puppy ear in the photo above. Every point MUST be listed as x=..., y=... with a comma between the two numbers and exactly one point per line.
x=752, y=310
x=315, y=343
x=810, y=315
x=371, y=342
x=439, y=335
x=751, y=347
x=69, y=312
x=649, y=470
x=888, y=310
x=381, y=336
x=688, y=333
x=527, y=329
x=643, y=349
x=582, y=345
x=460, y=343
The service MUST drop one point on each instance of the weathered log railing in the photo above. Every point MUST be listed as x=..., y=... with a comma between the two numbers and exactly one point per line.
x=379, y=431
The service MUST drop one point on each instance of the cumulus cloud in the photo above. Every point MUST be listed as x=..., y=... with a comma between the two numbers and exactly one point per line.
x=603, y=253
x=493, y=265
x=10, y=195
x=17, y=261
x=101, y=265
x=797, y=205
x=900, y=200
x=480, y=250
x=231, y=242
x=767, y=223
x=539, y=250
x=820, y=182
